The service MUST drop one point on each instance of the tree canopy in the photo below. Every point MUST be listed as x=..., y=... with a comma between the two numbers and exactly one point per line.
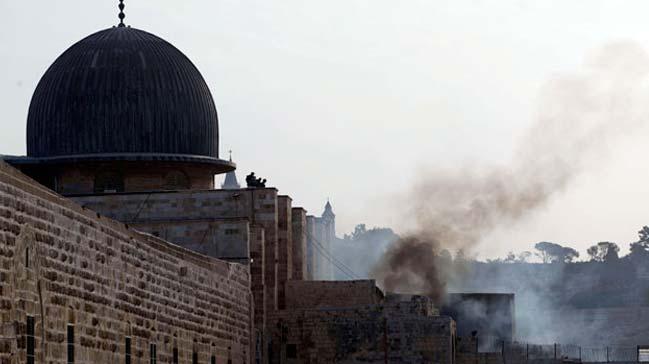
x=640, y=249
x=555, y=253
x=604, y=251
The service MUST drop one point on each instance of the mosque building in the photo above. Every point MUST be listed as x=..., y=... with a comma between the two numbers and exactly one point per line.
x=116, y=246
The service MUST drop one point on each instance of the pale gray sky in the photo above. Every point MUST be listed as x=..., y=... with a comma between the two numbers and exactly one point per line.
x=347, y=99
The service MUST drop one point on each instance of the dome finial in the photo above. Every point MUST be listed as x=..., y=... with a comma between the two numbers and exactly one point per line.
x=121, y=13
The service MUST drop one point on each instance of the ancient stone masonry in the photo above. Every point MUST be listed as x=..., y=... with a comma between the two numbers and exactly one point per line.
x=352, y=321
x=132, y=176
x=184, y=215
x=299, y=243
x=394, y=332
x=285, y=247
x=257, y=274
x=223, y=239
x=318, y=294
x=84, y=277
x=236, y=225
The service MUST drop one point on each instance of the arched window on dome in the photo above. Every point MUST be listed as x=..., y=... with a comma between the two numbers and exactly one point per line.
x=109, y=181
x=176, y=180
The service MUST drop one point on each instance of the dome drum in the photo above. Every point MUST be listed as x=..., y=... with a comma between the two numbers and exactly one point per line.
x=101, y=177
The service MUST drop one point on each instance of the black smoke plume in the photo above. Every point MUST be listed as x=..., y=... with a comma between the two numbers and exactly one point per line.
x=579, y=118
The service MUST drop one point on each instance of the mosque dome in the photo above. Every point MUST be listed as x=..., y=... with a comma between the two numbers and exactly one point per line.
x=123, y=94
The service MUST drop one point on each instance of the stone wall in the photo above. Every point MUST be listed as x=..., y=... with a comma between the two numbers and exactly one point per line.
x=318, y=294
x=222, y=239
x=311, y=253
x=299, y=243
x=182, y=209
x=68, y=266
x=257, y=257
x=136, y=176
x=367, y=334
x=285, y=247
x=352, y=321
x=411, y=304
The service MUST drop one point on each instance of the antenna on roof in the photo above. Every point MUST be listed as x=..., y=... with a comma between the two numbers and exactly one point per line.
x=121, y=13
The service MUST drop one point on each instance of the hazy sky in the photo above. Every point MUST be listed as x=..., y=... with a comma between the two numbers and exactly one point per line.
x=349, y=99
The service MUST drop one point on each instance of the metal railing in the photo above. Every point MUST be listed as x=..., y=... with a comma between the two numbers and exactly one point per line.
x=514, y=351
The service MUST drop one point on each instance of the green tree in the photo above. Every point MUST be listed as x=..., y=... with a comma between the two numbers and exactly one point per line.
x=640, y=249
x=555, y=253
x=604, y=251
x=523, y=257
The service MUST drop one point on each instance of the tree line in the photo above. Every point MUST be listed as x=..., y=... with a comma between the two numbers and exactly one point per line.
x=603, y=251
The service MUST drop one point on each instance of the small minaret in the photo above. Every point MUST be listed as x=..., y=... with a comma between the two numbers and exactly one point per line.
x=230, y=182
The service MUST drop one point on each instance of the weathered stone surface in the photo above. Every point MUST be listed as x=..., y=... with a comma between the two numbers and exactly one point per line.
x=65, y=265
x=236, y=225
x=202, y=219
x=322, y=294
x=299, y=243
x=285, y=247
x=373, y=333
x=136, y=176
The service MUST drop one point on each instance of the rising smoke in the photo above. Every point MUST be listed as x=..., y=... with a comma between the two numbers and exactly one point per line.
x=580, y=116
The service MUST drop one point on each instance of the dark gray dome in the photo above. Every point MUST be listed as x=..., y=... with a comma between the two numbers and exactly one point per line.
x=122, y=91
